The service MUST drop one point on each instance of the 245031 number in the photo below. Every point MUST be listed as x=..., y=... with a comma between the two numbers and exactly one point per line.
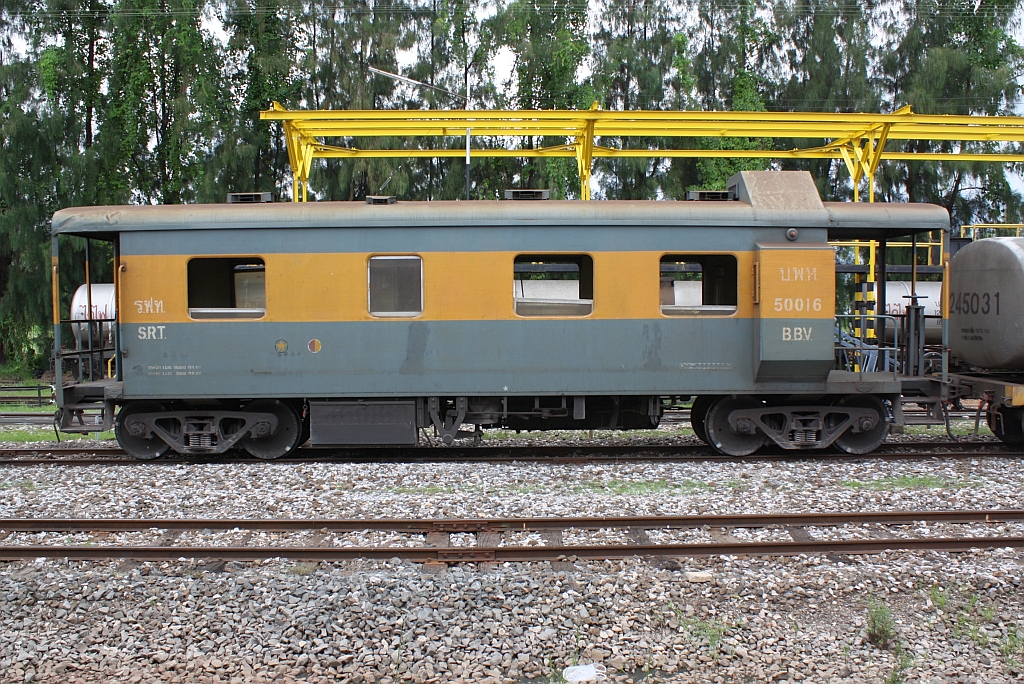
x=982, y=303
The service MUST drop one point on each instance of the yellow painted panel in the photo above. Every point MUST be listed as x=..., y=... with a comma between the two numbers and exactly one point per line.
x=457, y=286
x=468, y=286
x=797, y=283
x=154, y=289
x=316, y=287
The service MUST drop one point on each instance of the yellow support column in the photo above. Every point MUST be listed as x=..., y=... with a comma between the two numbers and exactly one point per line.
x=585, y=157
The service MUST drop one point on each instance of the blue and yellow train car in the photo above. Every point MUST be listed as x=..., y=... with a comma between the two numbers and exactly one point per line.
x=261, y=325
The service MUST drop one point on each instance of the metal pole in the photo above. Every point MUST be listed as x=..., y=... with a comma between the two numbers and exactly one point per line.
x=467, y=132
x=88, y=315
x=945, y=314
x=880, y=303
x=115, y=324
x=913, y=266
x=58, y=362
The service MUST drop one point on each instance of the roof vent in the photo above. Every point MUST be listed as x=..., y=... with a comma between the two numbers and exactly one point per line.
x=711, y=195
x=527, y=194
x=250, y=197
x=381, y=199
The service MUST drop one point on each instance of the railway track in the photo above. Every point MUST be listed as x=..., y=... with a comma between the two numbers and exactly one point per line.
x=490, y=533
x=565, y=454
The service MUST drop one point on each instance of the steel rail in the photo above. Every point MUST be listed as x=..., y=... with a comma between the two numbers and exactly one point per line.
x=492, y=449
x=557, y=455
x=456, y=525
x=507, y=554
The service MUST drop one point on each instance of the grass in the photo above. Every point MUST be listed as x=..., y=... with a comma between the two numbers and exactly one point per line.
x=603, y=487
x=304, y=569
x=908, y=482
x=904, y=661
x=23, y=485
x=881, y=624
x=31, y=408
x=964, y=426
x=641, y=488
x=712, y=632
x=562, y=435
x=701, y=630
x=967, y=623
x=425, y=489
x=1011, y=646
x=45, y=434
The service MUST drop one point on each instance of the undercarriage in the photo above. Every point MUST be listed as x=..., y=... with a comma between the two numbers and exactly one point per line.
x=735, y=425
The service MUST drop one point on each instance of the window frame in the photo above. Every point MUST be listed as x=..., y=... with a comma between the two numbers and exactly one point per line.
x=233, y=313
x=701, y=310
x=554, y=257
x=369, y=287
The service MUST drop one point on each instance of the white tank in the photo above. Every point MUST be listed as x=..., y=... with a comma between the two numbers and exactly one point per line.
x=986, y=303
x=897, y=293
x=104, y=305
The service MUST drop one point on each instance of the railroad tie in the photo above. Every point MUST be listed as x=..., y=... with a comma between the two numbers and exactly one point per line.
x=723, y=537
x=316, y=541
x=637, y=536
x=439, y=540
x=219, y=565
x=489, y=539
x=554, y=538
x=879, y=531
x=128, y=564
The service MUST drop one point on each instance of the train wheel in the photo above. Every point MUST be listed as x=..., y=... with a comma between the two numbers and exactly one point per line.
x=721, y=435
x=285, y=438
x=131, y=435
x=868, y=440
x=698, y=416
x=1007, y=424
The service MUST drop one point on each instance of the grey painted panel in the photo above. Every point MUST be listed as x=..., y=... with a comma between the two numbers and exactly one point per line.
x=449, y=239
x=510, y=216
x=795, y=348
x=406, y=358
x=363, y=422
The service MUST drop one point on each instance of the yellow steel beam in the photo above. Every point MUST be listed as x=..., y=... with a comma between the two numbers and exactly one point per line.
x=858, y=139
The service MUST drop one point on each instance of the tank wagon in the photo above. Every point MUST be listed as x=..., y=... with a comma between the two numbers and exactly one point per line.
x=986, y=331
x=262, y=325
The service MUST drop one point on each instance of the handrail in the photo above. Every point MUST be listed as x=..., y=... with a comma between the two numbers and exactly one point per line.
x=869, y=353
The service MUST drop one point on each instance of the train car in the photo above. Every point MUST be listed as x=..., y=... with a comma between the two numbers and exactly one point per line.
x=263, y=325
x=986, y=331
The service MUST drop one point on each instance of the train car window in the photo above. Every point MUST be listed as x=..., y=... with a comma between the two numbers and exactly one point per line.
x=553, y=285
x=232, y=287
x=396, y=285
x=698, y=284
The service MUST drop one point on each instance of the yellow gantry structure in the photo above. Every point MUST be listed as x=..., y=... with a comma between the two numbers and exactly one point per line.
x=858, y=139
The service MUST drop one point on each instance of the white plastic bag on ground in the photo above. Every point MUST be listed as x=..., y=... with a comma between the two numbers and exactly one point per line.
x=591, y=672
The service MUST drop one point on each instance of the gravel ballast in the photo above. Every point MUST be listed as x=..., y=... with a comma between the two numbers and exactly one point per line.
x=956, y=617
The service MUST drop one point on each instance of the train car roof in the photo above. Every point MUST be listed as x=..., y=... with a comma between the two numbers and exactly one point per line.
x=764, y=198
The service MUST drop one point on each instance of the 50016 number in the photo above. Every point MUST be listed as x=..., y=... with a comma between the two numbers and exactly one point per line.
x=797, y=304
x=982, y=303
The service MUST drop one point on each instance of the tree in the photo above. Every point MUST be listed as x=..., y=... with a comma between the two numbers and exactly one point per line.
x=634, y=52
x=549, y=43
x=829, y=61
x=734, y=59
x=164, y=86
x=953, y=57
x=251, y=154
